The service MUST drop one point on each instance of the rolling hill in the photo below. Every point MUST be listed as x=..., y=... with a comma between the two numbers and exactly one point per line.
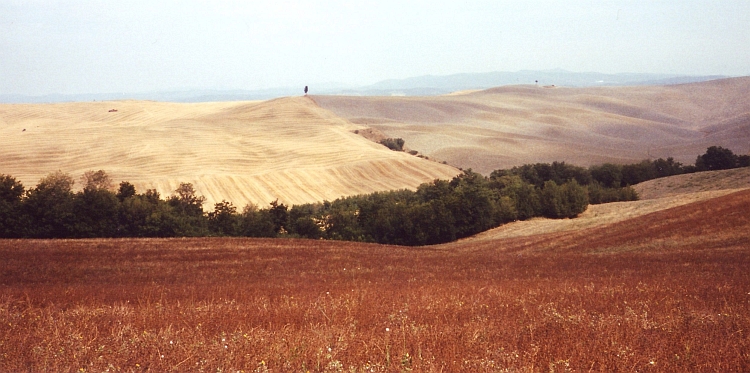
x=305, y=149
x=243, y=152
x=513, y=125
x=655, y=196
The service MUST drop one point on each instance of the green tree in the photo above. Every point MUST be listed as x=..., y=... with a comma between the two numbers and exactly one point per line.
x=223, y=221
x=716, y=158
x=49, y=206
x=341, y=219
x=96, y=207
x=575, y=199
x=188, y=211
x=147, y=215
x=279, y=216
x=11, y=191
x=96, y=180
x=256, y=223
x=393, y=144
x=667, y=167
x=608, y=174
x=303, y=221
x=524, y=194
x=125, y=191
x=474, y=206
x=638, y=172
x=552, y=200
x=96, y=213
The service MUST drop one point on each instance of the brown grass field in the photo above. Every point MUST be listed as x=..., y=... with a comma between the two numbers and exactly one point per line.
x=668, y=290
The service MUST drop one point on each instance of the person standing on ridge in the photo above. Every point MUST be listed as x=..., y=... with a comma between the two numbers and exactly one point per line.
x=305, y=90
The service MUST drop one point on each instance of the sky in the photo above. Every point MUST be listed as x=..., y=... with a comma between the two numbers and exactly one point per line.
x=86, y=46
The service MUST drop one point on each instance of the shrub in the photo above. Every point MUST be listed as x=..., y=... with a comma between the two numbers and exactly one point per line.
x=393, y=144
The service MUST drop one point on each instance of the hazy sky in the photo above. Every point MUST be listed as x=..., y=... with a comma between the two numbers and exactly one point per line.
x=87, y=46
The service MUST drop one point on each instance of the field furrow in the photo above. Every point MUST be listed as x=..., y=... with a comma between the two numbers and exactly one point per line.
x=244, y=152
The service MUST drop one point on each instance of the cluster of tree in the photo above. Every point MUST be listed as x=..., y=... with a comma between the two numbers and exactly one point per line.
x=436, y=212
x=393, y=144
x=716, y=158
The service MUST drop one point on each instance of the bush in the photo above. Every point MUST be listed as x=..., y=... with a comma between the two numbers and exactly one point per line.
x=393, y=144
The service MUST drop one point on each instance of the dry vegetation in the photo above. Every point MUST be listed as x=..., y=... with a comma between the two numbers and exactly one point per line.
x=509, y=126
x=654, y=195
x=659, y=284
x=243, y=152
x=698, y=182
x=669, y=291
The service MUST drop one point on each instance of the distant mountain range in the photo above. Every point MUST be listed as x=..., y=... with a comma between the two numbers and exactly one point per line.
x=428, y=85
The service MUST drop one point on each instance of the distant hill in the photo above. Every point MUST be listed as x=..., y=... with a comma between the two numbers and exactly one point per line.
x=509, y=126
x=435, y=85
x=428, y=85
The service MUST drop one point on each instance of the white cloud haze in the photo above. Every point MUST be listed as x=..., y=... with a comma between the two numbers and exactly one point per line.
x=137, y=46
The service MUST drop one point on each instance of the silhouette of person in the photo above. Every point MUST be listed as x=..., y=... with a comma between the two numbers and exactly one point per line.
x=305, y=90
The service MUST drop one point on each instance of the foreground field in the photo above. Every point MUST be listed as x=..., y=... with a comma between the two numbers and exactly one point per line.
x=669, y=291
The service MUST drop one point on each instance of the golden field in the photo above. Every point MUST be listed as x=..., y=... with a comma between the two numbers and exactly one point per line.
x=243, y=152
x=305, y=149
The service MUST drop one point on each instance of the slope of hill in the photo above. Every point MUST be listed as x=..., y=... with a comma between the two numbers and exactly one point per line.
x=737, y=178
x=713, y=223
x=243, y=152
x=655, y=195
x=513, y=125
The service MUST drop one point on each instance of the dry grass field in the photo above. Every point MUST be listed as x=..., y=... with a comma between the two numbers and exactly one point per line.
x=659, y=284
x=654, y=195
x=664, y=291
x=511, y=126
x=243, y=152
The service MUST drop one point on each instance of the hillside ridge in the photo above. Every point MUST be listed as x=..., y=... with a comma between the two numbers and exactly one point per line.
x=510, y=126
x=288, y=149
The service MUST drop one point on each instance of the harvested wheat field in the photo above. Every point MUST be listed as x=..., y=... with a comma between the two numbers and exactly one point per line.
x=244, y=152
x=666, y=290
x=514, y=125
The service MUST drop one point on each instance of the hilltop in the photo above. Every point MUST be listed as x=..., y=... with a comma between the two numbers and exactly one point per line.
x=308, y=149
x=244, y=152
x=514, y=125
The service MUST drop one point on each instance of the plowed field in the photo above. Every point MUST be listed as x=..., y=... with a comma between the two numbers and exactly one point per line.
x=510, y=126
x=665, y=291
x=243, y=152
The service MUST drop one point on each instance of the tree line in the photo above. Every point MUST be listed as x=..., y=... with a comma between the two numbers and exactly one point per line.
x=437, y=212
